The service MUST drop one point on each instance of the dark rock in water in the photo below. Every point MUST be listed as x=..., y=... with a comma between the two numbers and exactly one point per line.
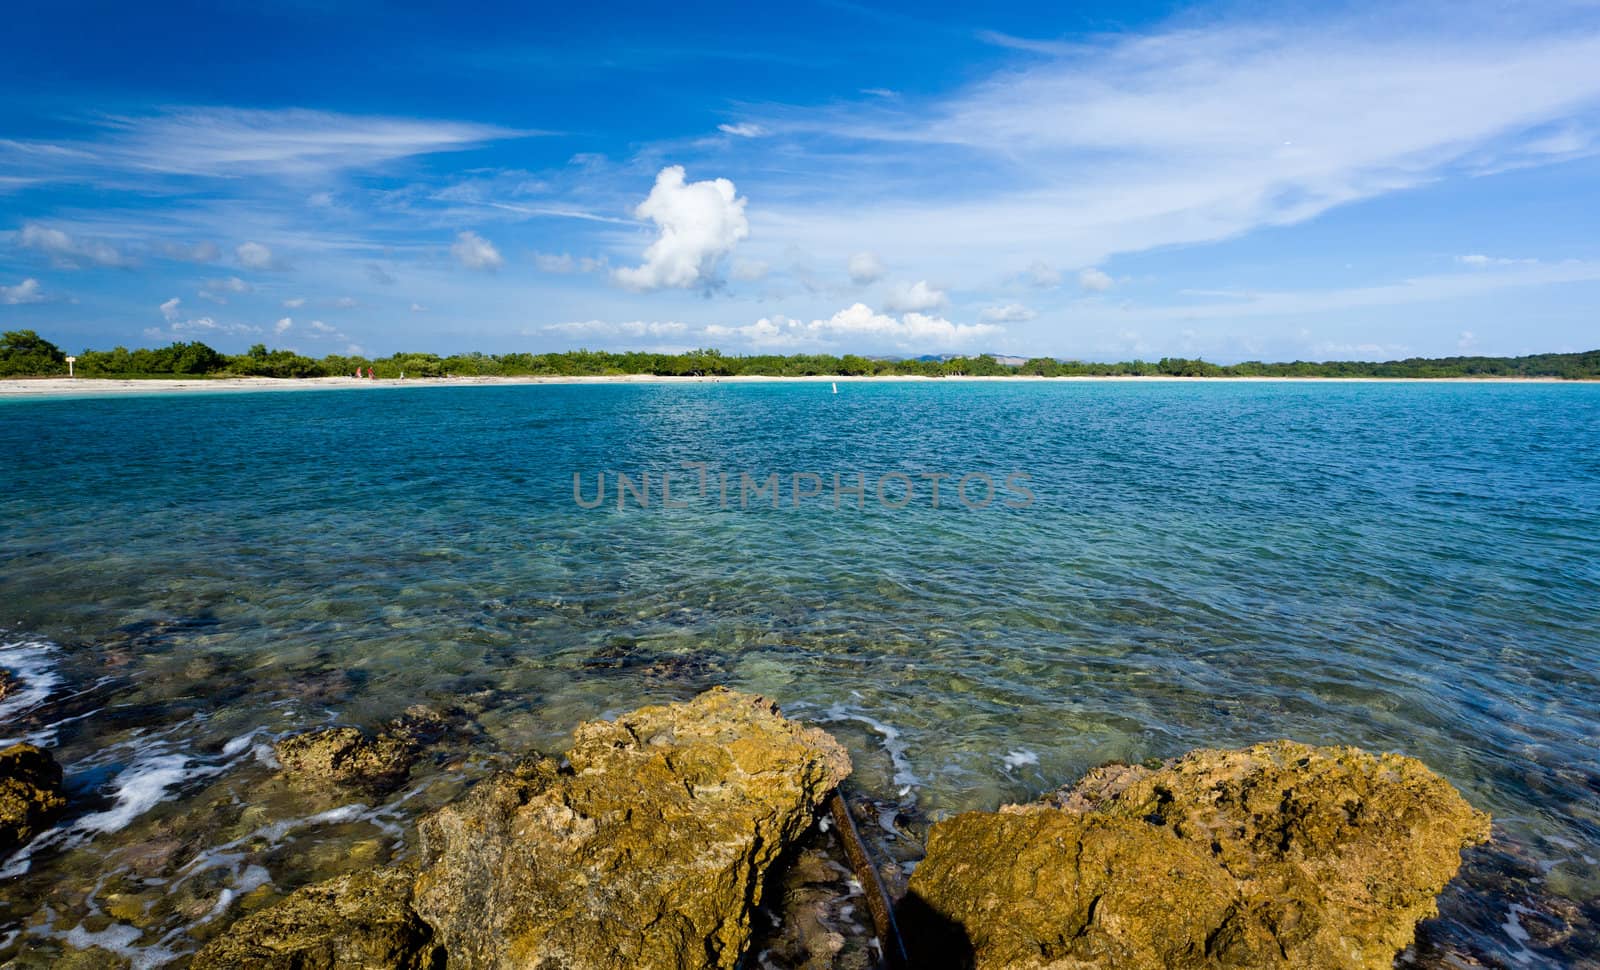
x=9, y=684
x=646, y=850
x=30, y=794
x=814, y=915
x=361, y=921
x=347, y=756
x=1279, y=855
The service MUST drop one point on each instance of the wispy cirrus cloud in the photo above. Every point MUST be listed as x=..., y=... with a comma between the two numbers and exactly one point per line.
x=1120, y=145
x=226, y=142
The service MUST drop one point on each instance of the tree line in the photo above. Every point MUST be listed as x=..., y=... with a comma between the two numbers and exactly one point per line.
x=25, y=353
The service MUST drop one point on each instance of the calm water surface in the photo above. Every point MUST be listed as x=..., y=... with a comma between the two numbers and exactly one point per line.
x=1407, y=567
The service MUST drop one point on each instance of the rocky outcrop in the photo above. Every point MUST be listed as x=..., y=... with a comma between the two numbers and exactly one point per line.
x=350, y=757
x=646, y=849
x=8, y=684
x=30, y=794
x=362, y=921
x=1279, y=855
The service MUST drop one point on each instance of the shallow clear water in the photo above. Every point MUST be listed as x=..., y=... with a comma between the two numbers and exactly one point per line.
x=1408, y=567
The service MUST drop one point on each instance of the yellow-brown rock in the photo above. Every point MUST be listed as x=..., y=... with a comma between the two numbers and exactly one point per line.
x=1278, y=855
x=647, y=850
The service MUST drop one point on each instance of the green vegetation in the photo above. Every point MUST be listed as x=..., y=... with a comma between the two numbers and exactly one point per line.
x=25, y=353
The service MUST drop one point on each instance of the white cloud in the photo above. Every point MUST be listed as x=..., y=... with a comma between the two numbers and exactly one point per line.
x=214, y=289
x=172, y=309
x=475, y=252
x=253, y=255
x=289, y=142
x=750, y=270
x=743, y=130
x=321, y=327
x=602, y=328
x=282, y=326
x=346, y=303
x=914, y=297
x=67, y=252
x=862, y=327
x=1142, y=140
x=1041, y=274
x=1094, y=280
x=1479, y=259
x=25, y=292
x=698, y=224
x=418, y=308
x=295, y=303
x=200, y=328
x=1010, y=313
x=565, y=263
x=1466, y=341
x=865, y=268
x=204, y=252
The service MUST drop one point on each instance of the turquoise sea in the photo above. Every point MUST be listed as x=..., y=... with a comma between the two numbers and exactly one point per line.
x=183, y=577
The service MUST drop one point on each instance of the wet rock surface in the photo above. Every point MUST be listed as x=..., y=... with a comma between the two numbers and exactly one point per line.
x=362, y=921
x=350, y=757
x=30, y=794
x=1278, y=855
x=647, y=848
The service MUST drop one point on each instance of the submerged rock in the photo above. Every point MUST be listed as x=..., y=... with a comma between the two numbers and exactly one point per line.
x=9, y=684
x=347, y=756
x=1279, y=855
x=361, y=921
x=646, y=850
x=30, y=794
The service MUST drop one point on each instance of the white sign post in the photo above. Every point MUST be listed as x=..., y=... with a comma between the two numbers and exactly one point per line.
x=70, y=362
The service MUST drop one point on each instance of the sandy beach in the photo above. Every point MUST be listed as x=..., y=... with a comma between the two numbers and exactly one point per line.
x=92, y=386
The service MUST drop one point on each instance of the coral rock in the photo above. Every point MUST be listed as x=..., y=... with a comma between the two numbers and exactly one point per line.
x=647, y=850
x=1279, y=855
x=362, y=921
x=30, y=794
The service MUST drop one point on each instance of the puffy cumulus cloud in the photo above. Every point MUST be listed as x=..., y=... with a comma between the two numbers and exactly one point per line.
x=698, y=223
x=744, y=129
x=25, y=292
x=916, y=297
x=1094, y=280
x=858, y=324
x=1041, y=274
x=68, y=252
x=865, y=268
x=282, y=326
x=172, y=309
x=253, y=255
x=1009, y=313
x=216, y=290
x=1466, y=341
x=475, y=252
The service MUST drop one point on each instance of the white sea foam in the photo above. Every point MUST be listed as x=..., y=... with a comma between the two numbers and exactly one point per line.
x=33, y=664
x=141, y=787
x=1016, y=759
x=905, y=779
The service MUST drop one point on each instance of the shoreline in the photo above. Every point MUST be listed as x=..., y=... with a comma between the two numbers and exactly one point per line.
x=40, y=387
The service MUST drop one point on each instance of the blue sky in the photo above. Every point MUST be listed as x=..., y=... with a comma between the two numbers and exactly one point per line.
x=1230, y=181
